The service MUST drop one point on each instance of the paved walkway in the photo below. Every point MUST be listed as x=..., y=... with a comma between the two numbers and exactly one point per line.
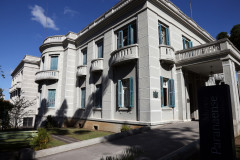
x=155, y=143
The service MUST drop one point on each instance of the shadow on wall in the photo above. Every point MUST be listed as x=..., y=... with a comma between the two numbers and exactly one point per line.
x=159, y=142
x=84, y=113
x=59, y=116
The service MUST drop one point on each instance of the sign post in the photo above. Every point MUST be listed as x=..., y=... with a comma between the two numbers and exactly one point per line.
x=216, y=123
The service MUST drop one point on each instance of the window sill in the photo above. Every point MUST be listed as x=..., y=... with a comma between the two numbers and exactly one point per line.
x=97, y=109
x=124, y=109
x=167, y=108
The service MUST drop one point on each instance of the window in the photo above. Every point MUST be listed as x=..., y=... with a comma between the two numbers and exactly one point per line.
x=84, y=57
x=83, y=97
x=98, y=97
x=163, y=34
x=27, y=121
x=100, y=49
x=51, y=97
x=54, y=63
x=187, y=43
x=126, y=36
x=167, y=92
x=125, y=92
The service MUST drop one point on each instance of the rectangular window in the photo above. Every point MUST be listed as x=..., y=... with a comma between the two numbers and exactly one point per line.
x=186, y=43
x=51, y=97
x=54, y=63
x=126, y=36
x=98, y=97
x=167, y=92
x=163, y=34
x=84, y=57
x=43, y=63
x=27, y=121
x=83, y=97
x=100, y=49
x=125, y=93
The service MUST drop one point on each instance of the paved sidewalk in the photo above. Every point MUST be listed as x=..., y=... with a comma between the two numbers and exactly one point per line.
x=155, y=143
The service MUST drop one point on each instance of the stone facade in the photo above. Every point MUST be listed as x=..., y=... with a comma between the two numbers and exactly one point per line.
x=148, y=58
x=24, y=86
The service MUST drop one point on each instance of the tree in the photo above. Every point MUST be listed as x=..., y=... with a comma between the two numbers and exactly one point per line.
x=222, y=35
x=20, y=110
x=5, y=108
x=1, y=93
x=235, y=36
x=1, y=72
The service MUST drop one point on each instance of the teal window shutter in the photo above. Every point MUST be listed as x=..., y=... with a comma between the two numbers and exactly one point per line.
x=160, y=33
x=184, y=43
x=171, y=91
x=167, y=36
x=83, y=97
x=120, y=39
x=100, y=50
x=191, y=44
x=51, y=97
x=54, y=63
x=130, y=34
x=119, y=93
x=84, y=57
x=162, y=94
x=99, y=96
x=131, y=92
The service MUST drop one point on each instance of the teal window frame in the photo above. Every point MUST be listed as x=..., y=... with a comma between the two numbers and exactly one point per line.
x=83, y=97
x=100, y=49
x=54, y=63
x=51, y=97
x=167, y=37
x=98, y=97
x=130, y=94
x=171, y=92
x=84, y=57
x=127, y=35
x=186, y=43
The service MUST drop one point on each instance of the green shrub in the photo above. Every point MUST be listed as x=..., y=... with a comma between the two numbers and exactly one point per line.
x=41, y=140
x=125, y=128
x=50, y=122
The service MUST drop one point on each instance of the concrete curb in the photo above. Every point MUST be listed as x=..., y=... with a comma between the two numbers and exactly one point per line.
x=85, y=143
x=184, y=152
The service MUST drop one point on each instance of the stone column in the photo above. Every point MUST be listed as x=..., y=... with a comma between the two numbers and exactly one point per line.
x=180, y=95
x=238, y=77
x=231, y=79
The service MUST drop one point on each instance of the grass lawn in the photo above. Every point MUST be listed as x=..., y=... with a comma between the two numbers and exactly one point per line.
x=17, y=140
x=79, y=133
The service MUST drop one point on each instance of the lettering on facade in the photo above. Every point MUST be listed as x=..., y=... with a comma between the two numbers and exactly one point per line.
x=216, y=123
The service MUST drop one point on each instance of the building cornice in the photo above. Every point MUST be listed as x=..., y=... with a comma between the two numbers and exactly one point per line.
x=166, y=4
x=23, y=61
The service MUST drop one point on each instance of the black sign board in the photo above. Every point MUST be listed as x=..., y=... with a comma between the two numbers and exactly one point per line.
x=216, y=123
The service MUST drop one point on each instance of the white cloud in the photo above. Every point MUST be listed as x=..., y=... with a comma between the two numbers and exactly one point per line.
x=67, y=10
x=39, y=16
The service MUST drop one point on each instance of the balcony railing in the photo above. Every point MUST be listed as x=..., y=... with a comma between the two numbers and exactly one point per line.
x=82, y=70
x=47, y=75
x=97, y=65
x=124, y=54
x=166, y=54
x=54, y=39
x=204, y=50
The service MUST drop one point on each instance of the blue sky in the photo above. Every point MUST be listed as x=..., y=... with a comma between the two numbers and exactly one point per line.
x=22, y=23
